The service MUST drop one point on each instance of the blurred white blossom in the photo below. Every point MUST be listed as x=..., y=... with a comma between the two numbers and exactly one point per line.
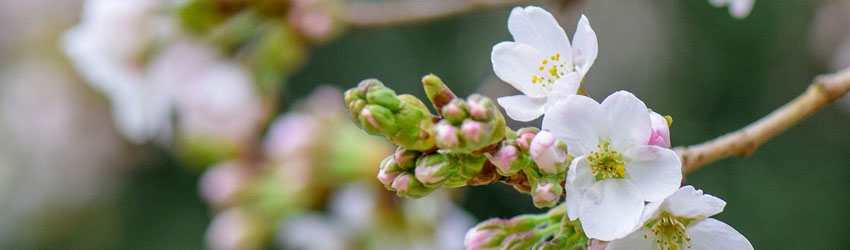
x=133, y=52
x=355, y=217
x=109, y=47
x=737, y=8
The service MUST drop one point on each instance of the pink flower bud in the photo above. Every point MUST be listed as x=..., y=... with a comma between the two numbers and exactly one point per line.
x=660, y=131
x=547, y=194
x=221, y=182
x=401, y=182
x=478, y=239
x=503, y=158
x=367, y=114
x=405, y=158
x=523, y=140
x=228, y=230
x=471, y=130
x=477, y=110
x=446, y=135
x=545, y=152
x=454, y=111
x=432, y=169
x=388, y=171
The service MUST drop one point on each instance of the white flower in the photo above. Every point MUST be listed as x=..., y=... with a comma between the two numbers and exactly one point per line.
x=213, y=97
x=681, y=222
x=737, y=8
x=108, y=49
x=540, y=62
x=614, y=170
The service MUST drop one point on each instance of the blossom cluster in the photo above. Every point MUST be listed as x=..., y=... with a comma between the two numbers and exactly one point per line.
x=623, y=181
x=611, y=159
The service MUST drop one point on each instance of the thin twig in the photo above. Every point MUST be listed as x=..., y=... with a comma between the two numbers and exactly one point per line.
x=745, y=141
x=377, y=14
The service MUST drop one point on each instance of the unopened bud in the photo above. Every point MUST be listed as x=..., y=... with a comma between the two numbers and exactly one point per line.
x=660, y=130
x=388, y=171
x=503, y=159
x=546, y=193
x=446, y=135
x=405, y=158
x=433, y=169
x=524, y=136
x=486, y=235
x=219, y=184
x=471, y=130
x=367, y=84
x=545, y=152
x=479, y=107
x=406, y=185
x=383, y=96
x=520, y=241
x=455, y=111
x=377, y=119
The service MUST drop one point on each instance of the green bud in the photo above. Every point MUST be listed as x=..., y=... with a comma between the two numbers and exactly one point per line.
x=377, y=120
x=406, y=158
x=385, y=97
x=367, y=84
x=433, y=170
x=520, y=241
x=455, y=111
x=437, y=91
x=388, y=171
x=547, y=191
x=407, y=185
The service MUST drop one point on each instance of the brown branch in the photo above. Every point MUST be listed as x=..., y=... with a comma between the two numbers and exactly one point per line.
x=377, y=14
x=745, y=141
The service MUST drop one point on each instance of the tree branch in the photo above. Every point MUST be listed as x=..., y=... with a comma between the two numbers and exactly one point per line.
x=376, y=14
x=745, y=141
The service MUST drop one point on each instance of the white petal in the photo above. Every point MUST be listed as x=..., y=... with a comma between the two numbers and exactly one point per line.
x=687, y=202
x=515, y=63
x=741, y=8
x=711, y=234
x=571, y=121
x=610, y=209
x=585, y=46
x=564, y=87
x=650, y=211
x=656, y=171
x=624, y=120
x=537, y=27
x=634, y=241
x=522, y=108
x=579, y=179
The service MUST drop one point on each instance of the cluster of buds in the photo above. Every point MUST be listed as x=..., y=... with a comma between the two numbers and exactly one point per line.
x=403, y=119
x=544, y=231
x=415, y=174
x=541, y=157
x=467, y=125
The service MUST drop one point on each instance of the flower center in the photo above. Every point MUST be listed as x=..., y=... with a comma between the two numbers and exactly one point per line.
x=670, y=233
x=550, y=69
x=606, y=163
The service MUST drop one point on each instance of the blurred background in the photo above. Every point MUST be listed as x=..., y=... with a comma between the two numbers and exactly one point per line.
x=210, y=170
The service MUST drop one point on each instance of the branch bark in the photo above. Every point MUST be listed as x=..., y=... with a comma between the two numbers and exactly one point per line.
x=745, y=141
x=377, y=14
